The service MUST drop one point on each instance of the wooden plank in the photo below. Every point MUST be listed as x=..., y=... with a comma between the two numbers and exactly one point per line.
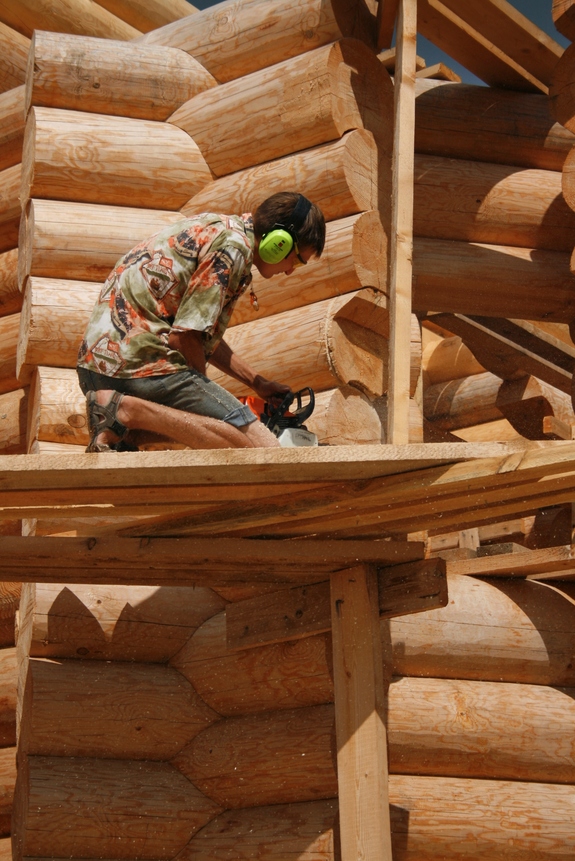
x=504, y=347
x=84, y=557
x=465, y=44
x=412, y=588
x=292, y=614
x=550, y=560
x=362, y=771
x=402, y=226
x=520, y=39
x=441, y=72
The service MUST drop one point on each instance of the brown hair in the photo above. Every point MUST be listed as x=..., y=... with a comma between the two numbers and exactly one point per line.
x=277, y=210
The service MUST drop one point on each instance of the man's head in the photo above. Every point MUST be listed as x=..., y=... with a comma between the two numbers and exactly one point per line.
x=287, y=225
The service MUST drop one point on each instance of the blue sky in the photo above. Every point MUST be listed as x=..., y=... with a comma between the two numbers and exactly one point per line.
x=538, y=11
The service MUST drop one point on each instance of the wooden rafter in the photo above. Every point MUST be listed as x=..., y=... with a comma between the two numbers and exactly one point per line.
x=508, y=347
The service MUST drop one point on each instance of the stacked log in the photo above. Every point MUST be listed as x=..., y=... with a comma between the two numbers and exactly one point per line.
x=481, y=695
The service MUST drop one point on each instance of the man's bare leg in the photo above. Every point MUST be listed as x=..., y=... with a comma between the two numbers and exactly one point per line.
x=195, y=431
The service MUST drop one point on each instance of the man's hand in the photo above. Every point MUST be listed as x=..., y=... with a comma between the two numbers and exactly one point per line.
x=270, y=389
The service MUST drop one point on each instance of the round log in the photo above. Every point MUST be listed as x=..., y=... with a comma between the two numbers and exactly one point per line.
x=304, y=831
x=13, y=58
x=448, y=359
x=156, y=13
x=345, y=416
x=12, y=123
x=513, y=631
x=97, y=75
x=525, y=403
x=337, y=342
x=53, y=321
x=66, y=16
x=340, y=177
x=81, y=240
x=113, y=710
x=467, y=278
x=282, y=675
x=463, y=402
x=261, y=33
x=73, y=155
x=355, y=256
x=294, y=105
x=487, y=124
x=491, y=203
x=142, y=623
x=95, y=808
x=10, y=209
x=563, y=14
x=272, y=757
x=10, y=296
x=437, y=727
x=432, y=819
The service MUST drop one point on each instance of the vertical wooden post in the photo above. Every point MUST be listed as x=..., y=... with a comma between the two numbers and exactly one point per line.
x=402, y=225
x=360, y=729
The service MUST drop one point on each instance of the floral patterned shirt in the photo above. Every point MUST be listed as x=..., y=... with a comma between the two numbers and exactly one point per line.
x=187, y=277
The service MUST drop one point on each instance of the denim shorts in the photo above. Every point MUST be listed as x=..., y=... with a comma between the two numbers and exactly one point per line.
x=187, y=390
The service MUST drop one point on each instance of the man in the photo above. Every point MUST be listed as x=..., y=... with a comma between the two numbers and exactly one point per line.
x=161, y=317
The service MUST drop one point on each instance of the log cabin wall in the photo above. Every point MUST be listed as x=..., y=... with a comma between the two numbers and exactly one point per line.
x=178, y=746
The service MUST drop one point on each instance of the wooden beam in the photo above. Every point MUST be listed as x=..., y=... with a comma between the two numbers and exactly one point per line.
x=292, y=614
x=188, y=560
x=464, y=43
x=506, y=347
x=535, y=564
x=359, y=707
x=402, y=226
x=499, y=22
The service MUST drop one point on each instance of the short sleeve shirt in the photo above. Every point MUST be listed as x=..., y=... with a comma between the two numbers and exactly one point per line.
x=187, y=277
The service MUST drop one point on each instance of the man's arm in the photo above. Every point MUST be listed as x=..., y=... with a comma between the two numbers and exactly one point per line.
x=224, y=359
x=190, y=344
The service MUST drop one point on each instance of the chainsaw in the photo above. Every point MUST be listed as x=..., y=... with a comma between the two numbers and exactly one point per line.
x=285, y=423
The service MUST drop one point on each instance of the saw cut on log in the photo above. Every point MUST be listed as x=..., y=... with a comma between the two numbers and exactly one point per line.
x=96, y=75
x=346, y=416
x=260, y=33
x=336, y=342
x=354, y=257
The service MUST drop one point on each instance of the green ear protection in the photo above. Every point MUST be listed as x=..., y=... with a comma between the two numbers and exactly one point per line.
x=277, y=244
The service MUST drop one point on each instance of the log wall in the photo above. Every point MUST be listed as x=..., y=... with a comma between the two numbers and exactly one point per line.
x=142, y=735
x=488, y=679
